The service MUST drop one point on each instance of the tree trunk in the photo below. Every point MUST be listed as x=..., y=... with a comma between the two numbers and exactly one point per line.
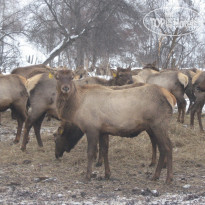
x=80, y=55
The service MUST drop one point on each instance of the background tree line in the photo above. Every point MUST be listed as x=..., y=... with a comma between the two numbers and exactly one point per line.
x=89, y=33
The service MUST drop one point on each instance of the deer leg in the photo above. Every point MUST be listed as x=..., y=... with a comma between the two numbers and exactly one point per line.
x=165, y=149
x=196, y=107
x=159, y=165
x=179, y=111
x=92, y=139
x=199, y=111
x=100, y=156
x=32, y=118
x=181, y=104
x=190, y=105
x=183, y=109
x=19, y=129
x=154, y=150
x=192, y=113
x=20, y=113
x=169, y=160
x=27, y=127
x=37, y=127
x=104, y=145
x=190, y=94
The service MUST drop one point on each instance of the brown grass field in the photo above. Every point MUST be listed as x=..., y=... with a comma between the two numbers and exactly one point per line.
x=36, y=177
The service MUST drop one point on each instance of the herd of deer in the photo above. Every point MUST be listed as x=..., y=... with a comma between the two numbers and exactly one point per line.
x=130, y=102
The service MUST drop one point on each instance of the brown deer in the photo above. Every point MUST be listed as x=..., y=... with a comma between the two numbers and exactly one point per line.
x=120, y=77
x=173, y=81
x=30, y=71
x=42, y=89
x=13, y=95
x=189, y=91
x=99, y=111
x=198, y=82
x=67, y=135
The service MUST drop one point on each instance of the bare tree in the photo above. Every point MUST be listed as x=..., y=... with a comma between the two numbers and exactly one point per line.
x=94, y=32
x=92, y=28
x=10, y=27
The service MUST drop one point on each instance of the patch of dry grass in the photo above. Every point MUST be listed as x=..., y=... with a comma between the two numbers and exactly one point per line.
x=129, y=160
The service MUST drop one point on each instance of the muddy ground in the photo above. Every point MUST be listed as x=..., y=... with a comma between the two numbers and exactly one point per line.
x=36, y=177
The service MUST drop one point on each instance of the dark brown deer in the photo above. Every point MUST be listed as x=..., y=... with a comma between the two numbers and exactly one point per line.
x=66, y=137
x=99, y=111
x=122, y=76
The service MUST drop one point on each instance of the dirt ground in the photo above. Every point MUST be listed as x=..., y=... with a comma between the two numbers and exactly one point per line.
x=36, y=177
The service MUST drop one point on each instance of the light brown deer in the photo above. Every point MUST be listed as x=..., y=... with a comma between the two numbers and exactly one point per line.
x=99, y=111
x=173, y=81
x=13, y=95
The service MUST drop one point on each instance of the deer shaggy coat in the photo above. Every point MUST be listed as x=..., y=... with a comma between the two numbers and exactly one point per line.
x=99, y=111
